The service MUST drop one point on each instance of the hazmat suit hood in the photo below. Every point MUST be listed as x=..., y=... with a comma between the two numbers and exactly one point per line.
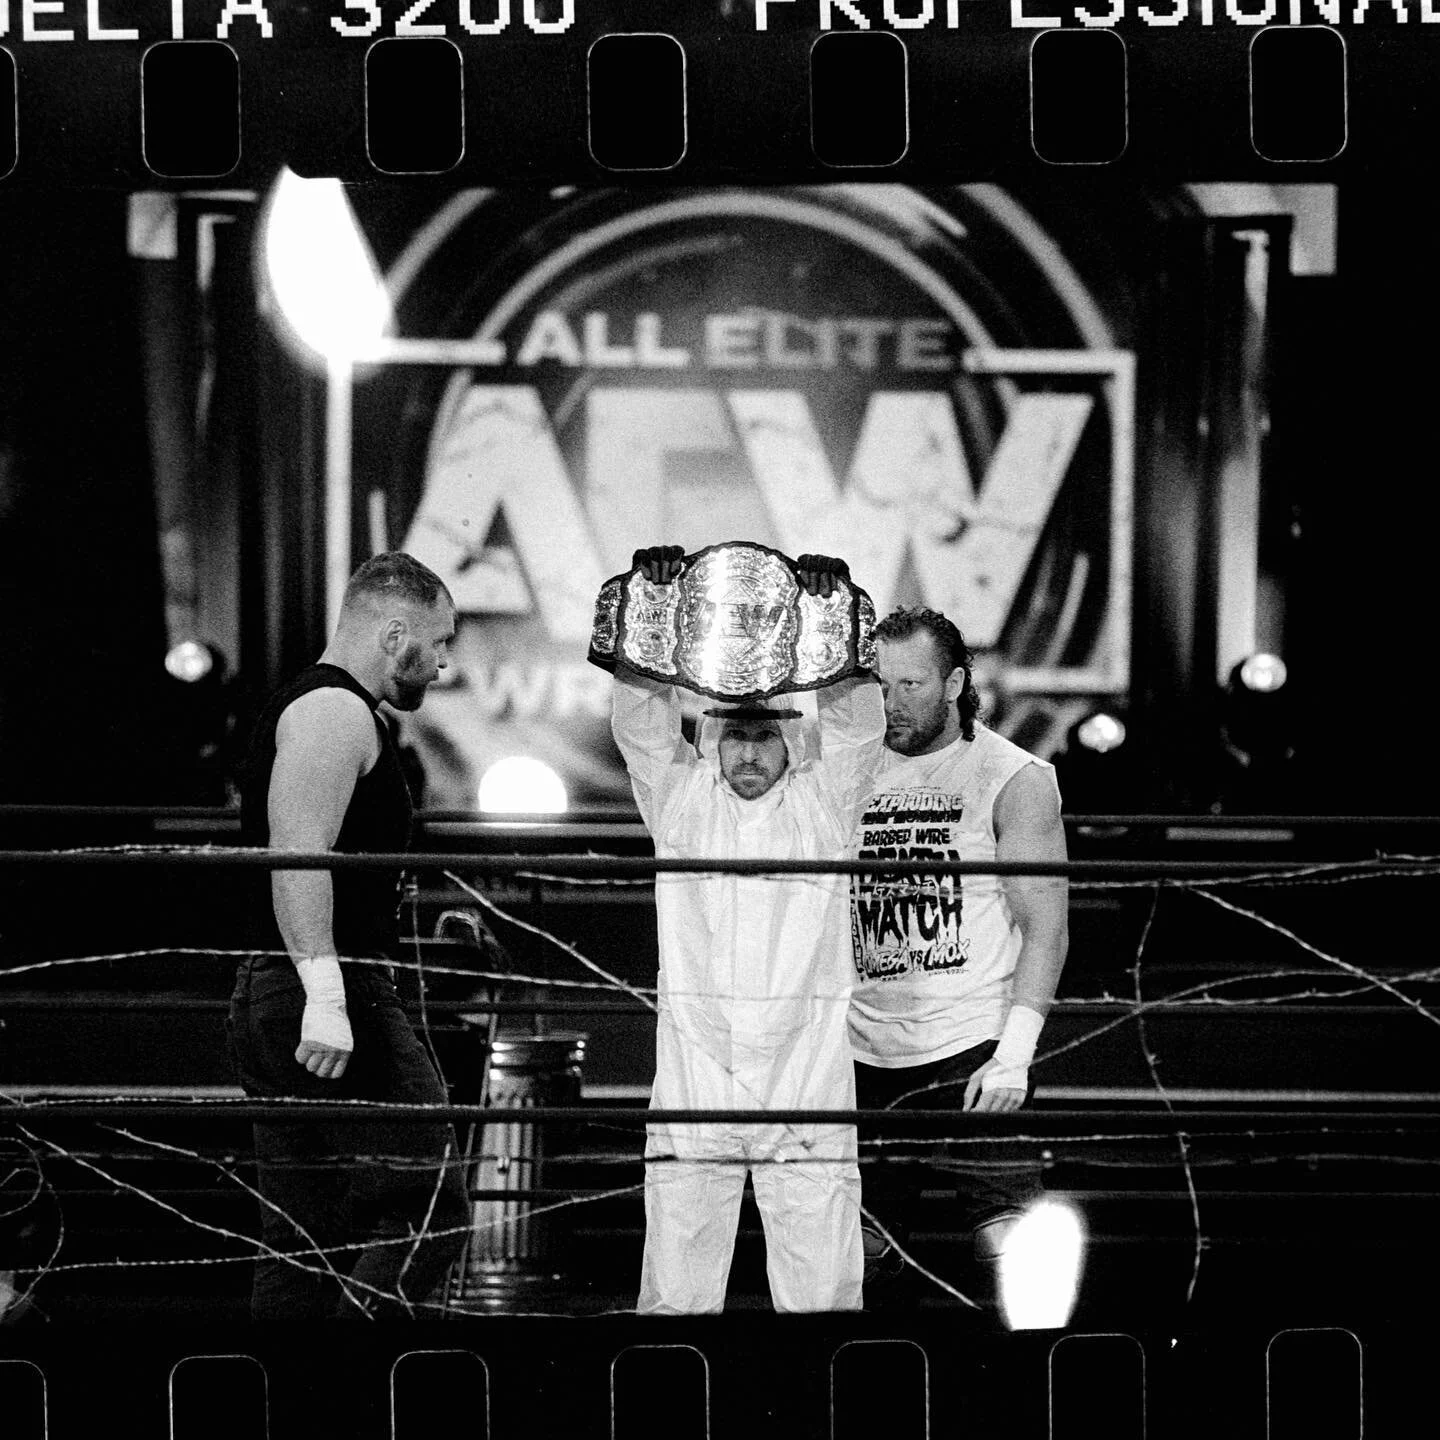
x=792, y=732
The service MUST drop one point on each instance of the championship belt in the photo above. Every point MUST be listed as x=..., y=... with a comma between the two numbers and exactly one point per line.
x=735, y=625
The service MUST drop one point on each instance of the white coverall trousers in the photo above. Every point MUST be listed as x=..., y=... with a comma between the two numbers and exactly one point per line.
x=806, y=1180
x=755, y=979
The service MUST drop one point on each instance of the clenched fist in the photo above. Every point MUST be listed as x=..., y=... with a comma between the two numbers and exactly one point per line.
x=818, y=573
x=660, y=564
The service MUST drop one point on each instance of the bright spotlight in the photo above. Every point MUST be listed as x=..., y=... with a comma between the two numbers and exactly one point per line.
x=189, y=661
x=1263, y=672
x=1101, y=732
x=520, y=785
x=1040, y=1267
x=320, y=270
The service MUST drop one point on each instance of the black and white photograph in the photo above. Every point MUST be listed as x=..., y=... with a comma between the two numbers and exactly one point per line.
x=715, y=718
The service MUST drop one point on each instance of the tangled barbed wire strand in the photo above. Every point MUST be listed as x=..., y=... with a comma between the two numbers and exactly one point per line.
x=1361, y=981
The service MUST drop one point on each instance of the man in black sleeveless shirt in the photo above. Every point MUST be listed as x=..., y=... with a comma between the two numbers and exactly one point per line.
x=318, y=1017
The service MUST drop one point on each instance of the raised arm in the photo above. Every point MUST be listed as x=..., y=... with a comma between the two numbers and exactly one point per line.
x=1027, y=828
x=851, y=711
x=324, y=742
x=645, y=720
x=645, y=715
x=852, y=742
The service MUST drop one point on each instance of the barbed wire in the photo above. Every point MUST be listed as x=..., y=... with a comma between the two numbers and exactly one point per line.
x=949, y=1151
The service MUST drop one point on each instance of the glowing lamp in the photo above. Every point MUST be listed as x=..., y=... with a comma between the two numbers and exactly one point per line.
x=1101, y=733
x=189, y=661
x=520, y=785
x=1263, y=673
x=320, y=271
x=1040, y=1266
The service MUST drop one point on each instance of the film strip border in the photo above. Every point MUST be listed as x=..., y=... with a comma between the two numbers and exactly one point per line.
x=147, y=93
x=746, y=1375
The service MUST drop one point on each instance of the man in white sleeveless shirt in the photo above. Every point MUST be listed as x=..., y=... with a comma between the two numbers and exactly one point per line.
x=955, y=973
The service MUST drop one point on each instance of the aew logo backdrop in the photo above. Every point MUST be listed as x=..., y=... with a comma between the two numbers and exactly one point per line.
x=924, y=388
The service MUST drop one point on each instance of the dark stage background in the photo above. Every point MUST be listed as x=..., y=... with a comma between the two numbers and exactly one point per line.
x=162, y=464
x=89, y=715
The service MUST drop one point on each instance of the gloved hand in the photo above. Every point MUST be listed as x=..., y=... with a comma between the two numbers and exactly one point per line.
x=818, y=573
x=660, y=564
x=325, y=1039
x=1001, y=1083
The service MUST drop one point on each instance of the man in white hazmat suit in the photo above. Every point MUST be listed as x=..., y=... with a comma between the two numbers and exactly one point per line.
x=754, y=980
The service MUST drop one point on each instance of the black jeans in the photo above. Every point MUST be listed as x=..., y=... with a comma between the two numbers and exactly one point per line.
x=892, y=1175
x=386, y=1201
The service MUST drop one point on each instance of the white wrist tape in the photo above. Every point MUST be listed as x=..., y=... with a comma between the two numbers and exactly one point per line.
x=325, y=1021
x=1010, y=1067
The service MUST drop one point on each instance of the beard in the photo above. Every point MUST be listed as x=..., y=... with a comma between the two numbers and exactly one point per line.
x=751, y=784
x=408, y=695
x=410, y=682
x=912, y=734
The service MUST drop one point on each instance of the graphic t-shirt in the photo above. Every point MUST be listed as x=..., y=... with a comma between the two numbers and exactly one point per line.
x=933, y=953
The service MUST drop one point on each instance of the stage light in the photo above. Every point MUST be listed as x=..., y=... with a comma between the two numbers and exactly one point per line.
x=190, y=661
x=1040, y=1266
x=520, y=785
x=320, y=271
x=1263, y=673
x=1101, y=732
